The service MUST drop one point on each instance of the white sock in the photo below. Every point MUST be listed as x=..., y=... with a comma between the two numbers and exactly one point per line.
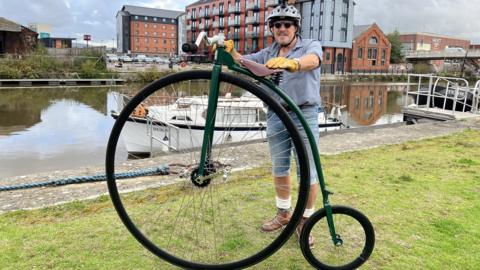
x=308, y=212
x=284, y=203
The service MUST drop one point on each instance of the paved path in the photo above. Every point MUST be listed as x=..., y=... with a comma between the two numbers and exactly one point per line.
x=331, y=143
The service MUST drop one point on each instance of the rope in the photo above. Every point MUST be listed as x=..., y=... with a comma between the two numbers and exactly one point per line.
x=161, y=170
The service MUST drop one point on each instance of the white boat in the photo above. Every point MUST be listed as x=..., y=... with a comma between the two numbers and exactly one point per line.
x=180, y=125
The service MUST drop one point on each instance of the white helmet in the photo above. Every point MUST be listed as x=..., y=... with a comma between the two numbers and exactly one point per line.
x=285, y=12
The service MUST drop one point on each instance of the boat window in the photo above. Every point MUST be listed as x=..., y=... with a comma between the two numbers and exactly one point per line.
x=181, y=118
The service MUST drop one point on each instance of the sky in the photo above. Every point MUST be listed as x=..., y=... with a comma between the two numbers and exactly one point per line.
x=74, y=18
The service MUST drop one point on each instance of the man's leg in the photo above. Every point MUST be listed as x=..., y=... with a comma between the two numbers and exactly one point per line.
x=280, y=150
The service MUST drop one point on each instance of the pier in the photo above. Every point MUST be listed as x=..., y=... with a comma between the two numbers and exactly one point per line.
x=59, y=82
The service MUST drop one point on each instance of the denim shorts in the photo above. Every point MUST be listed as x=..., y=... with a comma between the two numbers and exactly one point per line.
x=280, y=143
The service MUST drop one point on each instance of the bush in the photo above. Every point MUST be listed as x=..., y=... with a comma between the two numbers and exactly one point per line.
x=422, y=68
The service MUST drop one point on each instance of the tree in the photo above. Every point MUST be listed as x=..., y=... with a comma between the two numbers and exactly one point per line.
x=396, y=53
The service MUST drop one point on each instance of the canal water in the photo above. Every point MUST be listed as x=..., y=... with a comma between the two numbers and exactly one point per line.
x=49, y=129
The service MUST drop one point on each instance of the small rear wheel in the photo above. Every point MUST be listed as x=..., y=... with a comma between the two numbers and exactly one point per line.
x=351, y=226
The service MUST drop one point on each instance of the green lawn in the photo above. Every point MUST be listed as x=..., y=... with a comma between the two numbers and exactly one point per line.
x=422, y=197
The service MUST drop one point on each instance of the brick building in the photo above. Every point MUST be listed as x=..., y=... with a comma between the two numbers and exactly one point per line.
x=57, y=42
x=15, y=38
x=244, y=21
x=412, y=42
x=148, y=31
x=370, y=49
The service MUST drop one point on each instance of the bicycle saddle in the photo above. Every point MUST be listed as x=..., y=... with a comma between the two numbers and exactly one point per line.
x=258, y=69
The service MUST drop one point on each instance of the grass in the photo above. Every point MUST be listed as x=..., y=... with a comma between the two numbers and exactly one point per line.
x=422, y=197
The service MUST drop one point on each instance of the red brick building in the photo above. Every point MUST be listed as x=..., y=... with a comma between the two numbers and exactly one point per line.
x=147, y=30
x=412, y=42
x=15, y=38
x=370, y=49
x=244, y=21
x=240, y=20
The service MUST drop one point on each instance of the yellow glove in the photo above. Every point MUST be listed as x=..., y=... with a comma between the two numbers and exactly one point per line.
x=229, y=46
x=283, y=63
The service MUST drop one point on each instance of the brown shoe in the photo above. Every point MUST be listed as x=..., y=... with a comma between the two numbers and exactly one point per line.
x=298, y=232
x=280, y=220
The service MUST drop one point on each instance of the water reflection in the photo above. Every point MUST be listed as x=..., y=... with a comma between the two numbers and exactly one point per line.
x=365, y=104
x=54, y=129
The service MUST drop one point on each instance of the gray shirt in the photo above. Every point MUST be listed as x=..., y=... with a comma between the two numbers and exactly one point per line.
x=301, y=86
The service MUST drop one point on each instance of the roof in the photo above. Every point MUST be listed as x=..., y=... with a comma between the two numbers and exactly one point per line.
x=201, y=2
x=57, y=38
x=9, y=26
x=359, y=29
x=152, y=12
x=434, y=35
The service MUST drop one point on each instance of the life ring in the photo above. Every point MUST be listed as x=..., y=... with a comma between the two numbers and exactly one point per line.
x=140, y=111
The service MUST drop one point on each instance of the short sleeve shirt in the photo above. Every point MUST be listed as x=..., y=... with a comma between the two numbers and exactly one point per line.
x=303, y=87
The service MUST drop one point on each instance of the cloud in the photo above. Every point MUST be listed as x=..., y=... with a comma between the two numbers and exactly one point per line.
x=67, y=17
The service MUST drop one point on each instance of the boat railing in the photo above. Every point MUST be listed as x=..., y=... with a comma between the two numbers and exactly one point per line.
x=476, y=98
x=167, y=141
x=457, y=90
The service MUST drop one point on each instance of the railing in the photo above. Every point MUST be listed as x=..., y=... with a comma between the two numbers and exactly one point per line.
x=449, y=94
x=250, y=20
x=476, y=99
x=252, y=34
x=215, y=24
x=215, y=12
x=167, y=143
x=230, y=21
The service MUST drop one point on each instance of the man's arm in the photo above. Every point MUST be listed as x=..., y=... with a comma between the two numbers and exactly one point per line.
x=309, y=62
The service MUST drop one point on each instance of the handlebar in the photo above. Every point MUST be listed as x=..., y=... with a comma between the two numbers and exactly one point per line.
x=218, y=39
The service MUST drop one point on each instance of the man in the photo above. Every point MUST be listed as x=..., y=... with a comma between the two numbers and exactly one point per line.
x=301, y=59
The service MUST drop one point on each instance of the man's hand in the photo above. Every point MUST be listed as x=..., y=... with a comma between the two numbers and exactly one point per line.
x=283, y=63
x=229, y=46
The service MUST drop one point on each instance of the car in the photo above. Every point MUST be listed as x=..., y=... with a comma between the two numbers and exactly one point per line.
x=160, y=60
x=111, y=58
x=126, y=58
x=140, y=58
x=148, y=59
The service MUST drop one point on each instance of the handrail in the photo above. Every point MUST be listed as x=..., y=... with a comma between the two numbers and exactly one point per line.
x=458, y=85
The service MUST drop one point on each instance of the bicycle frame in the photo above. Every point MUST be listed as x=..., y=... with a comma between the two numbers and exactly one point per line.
x=222, y=58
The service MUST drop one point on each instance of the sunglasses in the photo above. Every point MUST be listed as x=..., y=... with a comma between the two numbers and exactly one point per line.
x=278, y=25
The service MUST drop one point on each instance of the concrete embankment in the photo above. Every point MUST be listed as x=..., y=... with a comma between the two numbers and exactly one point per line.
x=330, y=143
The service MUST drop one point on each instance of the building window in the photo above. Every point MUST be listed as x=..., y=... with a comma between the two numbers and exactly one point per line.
x=373, y=41
x=327, y=56
x=372, y=53
x=146, y=18
x=164, y=41
x=172, y=34
x=360, y=53
x=163, y=26
x=154, y=26
x=146, y=25
x=164, y=20
x=136, y=18
x=154, y=19
x=163, y=34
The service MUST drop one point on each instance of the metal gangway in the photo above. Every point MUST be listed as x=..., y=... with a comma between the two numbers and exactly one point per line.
x=440, y=98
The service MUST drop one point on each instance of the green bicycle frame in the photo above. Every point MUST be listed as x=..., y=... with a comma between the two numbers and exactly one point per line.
x=222, y=58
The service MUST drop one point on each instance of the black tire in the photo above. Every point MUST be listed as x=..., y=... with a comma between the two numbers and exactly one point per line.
x=358, y=251
x=133, y=224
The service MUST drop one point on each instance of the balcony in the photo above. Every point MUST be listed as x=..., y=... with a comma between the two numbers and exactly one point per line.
x=273, y=3
x=251, y=20
x=252, y=34
x=201, y=25
x=234, y=36
x=191, y=17
x=221, y=12
x=215, y=24
x=233, y=9
x=215, y=12
x=206, y=15
x=253, y=6
x=230, y=22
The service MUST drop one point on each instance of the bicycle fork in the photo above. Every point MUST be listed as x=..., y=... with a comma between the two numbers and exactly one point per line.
x=207, y=144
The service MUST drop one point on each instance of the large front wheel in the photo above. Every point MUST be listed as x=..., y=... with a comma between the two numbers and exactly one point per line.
x=209, y=221
x=353, y=229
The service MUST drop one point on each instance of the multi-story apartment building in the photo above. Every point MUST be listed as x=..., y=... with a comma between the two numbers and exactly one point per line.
x=244, y=21
x=148, y=31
